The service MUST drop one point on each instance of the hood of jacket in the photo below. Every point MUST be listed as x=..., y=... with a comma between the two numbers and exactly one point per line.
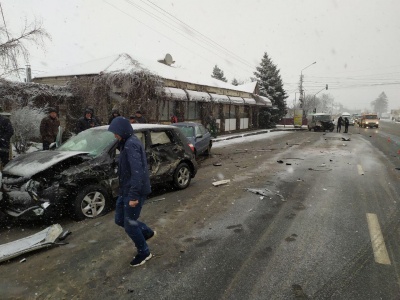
x=122, y=127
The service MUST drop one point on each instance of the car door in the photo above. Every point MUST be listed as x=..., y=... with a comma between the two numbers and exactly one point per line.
x=202, y=138
x=163, y=154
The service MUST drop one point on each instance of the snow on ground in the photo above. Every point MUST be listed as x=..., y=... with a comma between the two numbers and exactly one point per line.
x=218, y=143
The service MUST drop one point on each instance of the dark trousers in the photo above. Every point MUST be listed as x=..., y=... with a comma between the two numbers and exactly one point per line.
x=346, y=128
x=127, y=217
x=46, y=145
x=4, y=156
x=338, y=128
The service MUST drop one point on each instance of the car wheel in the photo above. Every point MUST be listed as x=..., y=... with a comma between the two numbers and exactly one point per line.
x=182, y=176
x=208, y=151
x=92, y=201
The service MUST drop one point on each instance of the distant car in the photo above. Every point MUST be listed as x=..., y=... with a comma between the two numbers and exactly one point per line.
x=198, y=135
x=348, y=116
x=369, y=120
x=80, y=176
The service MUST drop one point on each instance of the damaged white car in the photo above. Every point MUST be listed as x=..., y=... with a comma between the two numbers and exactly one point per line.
x=80, y=177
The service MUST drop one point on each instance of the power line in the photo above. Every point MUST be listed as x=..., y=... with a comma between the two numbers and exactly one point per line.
x=184, y=33
x=204, y=36
x=169, y=25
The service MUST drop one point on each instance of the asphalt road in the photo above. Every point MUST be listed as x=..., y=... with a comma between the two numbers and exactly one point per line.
x=306, y=215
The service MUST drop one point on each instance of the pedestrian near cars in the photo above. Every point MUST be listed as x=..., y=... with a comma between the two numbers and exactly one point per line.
x=339, y=124
x=6, y=132
x=139, y=117
x=85, y=122
x=115, y=113
x=346, y=125
x=134, y=187
x=174, y=119
x=49, y=128
x=95, y=119
x=132, y=119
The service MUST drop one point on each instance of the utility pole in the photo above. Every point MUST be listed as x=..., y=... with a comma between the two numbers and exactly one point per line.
x=301, y=85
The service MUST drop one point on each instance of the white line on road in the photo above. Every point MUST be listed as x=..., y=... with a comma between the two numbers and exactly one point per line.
x=360, y=170
x=378, y=244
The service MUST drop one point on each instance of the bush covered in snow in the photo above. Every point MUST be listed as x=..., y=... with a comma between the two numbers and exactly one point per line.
x=26, y=124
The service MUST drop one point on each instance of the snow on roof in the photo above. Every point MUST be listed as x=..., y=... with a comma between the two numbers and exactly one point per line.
x=126, y=63
x=248, y=87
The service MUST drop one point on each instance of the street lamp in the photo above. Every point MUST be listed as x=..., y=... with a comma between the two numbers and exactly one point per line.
x=325, y=88
x=301, y=83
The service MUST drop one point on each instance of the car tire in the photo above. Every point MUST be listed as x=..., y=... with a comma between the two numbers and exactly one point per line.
x=208, y=151
x=182, y=176
x=91, y=202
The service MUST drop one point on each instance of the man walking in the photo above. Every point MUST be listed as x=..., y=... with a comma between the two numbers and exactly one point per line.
x=49, y=128
x=134, y=187
x=339, y=124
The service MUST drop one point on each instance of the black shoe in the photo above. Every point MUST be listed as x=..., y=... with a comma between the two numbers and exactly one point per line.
x=150, y=236
x=140, y=259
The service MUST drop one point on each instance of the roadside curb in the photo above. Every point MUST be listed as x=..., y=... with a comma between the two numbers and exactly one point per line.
x=222, y=138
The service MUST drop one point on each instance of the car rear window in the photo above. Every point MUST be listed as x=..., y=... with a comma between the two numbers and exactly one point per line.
x=187, y=130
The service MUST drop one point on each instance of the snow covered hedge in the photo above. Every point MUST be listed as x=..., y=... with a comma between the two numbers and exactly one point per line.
x=26, y=124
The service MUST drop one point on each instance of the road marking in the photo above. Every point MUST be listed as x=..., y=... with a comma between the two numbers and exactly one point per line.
x=378, y=244
x=360, y=170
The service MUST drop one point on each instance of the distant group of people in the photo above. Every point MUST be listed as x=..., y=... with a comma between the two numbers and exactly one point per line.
x=341, y=122
x=137, y=118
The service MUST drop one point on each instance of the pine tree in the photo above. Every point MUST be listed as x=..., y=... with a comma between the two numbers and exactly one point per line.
x=235, y=82
x=271, y=86
x=218, y=74
x=380, y=104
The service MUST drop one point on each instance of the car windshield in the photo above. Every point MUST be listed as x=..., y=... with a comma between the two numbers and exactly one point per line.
x=371, y=117
x=187, y=130
x=91, y=141
x=323, y=118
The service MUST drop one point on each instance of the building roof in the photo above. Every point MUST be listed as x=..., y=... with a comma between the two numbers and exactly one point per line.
x=125, y=63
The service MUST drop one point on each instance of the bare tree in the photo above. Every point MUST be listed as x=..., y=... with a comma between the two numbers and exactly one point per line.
x=15, y=46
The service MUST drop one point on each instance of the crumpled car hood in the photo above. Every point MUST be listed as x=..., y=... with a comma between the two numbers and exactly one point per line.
x=32, y=163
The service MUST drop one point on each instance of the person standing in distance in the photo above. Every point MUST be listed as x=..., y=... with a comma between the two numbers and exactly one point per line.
x=139, y=117
x=134, y=187
x=346, y=125
x=339, y=124
x=49, y=128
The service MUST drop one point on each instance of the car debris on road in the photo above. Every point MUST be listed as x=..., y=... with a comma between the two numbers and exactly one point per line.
x=45, y=238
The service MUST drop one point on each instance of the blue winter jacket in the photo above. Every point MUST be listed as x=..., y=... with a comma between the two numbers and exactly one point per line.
x=134, y=181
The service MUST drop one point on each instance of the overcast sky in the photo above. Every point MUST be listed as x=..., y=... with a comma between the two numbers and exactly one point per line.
x=355, y=43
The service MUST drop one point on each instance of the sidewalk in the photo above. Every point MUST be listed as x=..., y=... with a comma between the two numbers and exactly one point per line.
x=230, y=136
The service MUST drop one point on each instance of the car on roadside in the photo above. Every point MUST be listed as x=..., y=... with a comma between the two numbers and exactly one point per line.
x=80, y=177
x=198, y=135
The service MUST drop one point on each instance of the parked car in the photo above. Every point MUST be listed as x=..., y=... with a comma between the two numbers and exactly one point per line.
x=198, y=135
x=81, y=175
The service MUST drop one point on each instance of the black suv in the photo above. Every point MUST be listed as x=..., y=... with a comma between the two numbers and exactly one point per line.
x=81, y=175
